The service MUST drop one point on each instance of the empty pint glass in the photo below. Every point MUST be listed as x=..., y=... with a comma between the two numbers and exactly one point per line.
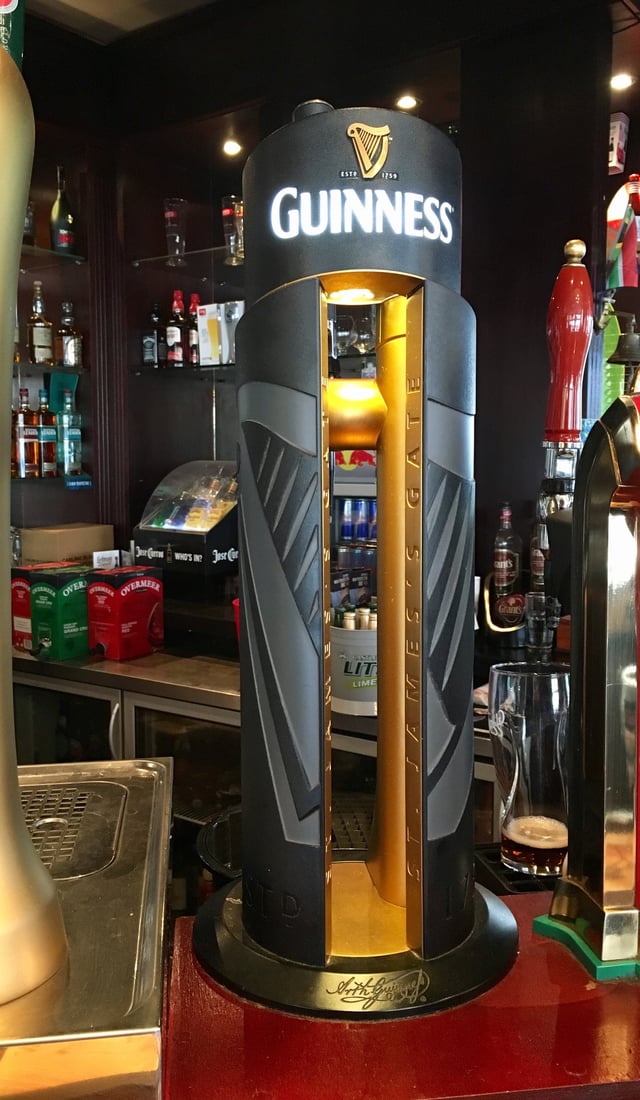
x=528, y=721
x=175, y=218
x=233, y=227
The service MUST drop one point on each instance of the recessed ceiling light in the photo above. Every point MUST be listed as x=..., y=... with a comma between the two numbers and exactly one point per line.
x=231, y=148
x=406, y=102
x=351, y=295
x=621, y=81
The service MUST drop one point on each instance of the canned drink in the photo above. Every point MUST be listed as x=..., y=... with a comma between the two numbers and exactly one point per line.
x=346, y=520
x=370, y=562
x=357, y=557
x=373, y=519
x=361, y=520
x=343, y=557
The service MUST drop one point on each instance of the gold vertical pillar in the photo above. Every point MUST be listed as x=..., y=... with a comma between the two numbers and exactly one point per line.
x=32, y=938
x=413, y=553
x=387, y=860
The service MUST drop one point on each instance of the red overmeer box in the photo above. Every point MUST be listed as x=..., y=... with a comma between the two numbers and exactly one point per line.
x=21, y=600
x=125, y=611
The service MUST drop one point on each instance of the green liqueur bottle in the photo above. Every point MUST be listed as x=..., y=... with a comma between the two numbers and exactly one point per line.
x=12, y=29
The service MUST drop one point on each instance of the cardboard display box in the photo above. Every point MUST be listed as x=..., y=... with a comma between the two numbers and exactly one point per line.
x=21, y=576
x=70, y=542
x=59, y=612
x=125, y=613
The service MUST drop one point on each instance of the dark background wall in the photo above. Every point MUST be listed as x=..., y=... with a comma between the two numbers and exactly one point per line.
x=527, y=88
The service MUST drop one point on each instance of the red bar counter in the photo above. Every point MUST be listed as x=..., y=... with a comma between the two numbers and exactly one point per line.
x=547, y=1030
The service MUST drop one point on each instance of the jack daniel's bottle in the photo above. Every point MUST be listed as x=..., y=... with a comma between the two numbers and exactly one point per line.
x=509, y=602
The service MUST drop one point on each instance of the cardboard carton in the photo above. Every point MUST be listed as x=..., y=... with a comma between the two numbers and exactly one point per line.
x=59, y=612
x=74, y=542
x=125, y=611
x=21, y=576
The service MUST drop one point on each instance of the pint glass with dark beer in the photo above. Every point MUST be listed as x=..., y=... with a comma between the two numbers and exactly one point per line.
x=528, y=719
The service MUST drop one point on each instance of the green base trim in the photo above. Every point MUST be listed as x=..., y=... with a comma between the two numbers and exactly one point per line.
x=568, y=937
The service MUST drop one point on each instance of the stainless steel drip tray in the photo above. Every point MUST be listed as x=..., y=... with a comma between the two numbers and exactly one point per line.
x=103, y=831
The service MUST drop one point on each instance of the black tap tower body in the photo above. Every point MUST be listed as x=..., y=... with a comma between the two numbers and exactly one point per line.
x=338, y=201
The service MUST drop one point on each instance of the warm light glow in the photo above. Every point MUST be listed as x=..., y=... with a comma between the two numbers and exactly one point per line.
x=231, y=148
x=352, y=296
x=406, y=102
x=621, y=81
x=352, y=389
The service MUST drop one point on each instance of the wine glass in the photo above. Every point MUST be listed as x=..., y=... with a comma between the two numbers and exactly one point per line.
x=344, y=333
x=365, y=323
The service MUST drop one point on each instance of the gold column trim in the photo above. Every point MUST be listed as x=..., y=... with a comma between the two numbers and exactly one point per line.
x=32, y=939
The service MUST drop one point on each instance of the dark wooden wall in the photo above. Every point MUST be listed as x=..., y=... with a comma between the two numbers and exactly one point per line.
x=532, y=99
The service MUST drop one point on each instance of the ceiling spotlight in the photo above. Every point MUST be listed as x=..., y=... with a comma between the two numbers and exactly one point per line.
x=406, y=102
x=231, y=148
x=621, y=81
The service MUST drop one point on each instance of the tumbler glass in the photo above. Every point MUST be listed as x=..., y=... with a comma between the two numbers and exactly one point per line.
x=528, y=719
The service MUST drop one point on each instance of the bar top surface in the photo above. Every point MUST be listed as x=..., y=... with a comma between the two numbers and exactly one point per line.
x=547, y=1031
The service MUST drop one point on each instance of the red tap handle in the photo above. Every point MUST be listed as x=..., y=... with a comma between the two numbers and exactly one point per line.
x=569, y=329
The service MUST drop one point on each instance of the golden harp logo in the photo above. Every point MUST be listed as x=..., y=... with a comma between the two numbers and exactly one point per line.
x=371, y=145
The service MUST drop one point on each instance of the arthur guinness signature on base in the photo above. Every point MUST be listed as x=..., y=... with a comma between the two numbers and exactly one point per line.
x=408, y=988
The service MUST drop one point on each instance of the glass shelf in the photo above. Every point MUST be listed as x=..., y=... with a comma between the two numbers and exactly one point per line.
x=219, y=369
x=33, y=258
x=191, y=259
x=32, y=370
x=206, y=265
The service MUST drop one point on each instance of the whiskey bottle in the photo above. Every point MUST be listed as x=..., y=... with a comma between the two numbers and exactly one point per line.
x=27, y=460
x=29, y=229
x=62, y=221
x=39, y=330
x=509, y=602
x=69, y=450
x=47, y=437
x=154, y=341
x=176, y=332
x=538, y=555
x=68, y=341
x=193, y=339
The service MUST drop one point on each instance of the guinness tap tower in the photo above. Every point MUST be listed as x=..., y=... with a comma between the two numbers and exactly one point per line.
x=356, y=205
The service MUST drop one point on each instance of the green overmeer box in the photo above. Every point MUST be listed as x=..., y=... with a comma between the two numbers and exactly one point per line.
x=59, y=627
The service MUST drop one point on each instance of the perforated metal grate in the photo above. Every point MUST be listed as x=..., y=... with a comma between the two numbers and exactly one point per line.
x=74, y=829
x=351, y=820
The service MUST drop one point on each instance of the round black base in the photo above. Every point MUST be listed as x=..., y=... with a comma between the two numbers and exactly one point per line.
x=388, y=986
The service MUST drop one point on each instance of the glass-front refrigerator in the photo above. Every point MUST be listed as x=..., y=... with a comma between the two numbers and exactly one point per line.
x=61, y=722
x=204, y=743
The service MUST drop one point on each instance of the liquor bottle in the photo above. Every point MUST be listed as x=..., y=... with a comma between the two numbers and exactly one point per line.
x=154, y=341
x=538, y=554
x=176, y=332
x=181, y=508
x=47, y=437
x=509, y=601
x=16, y=339
x=39, y=330
x=14, y=443
x=29, y=230
x=193, y=339
x=68, y=341
x=26, y=432
x=61, y=221
x=198, y=516
x=69, y=451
